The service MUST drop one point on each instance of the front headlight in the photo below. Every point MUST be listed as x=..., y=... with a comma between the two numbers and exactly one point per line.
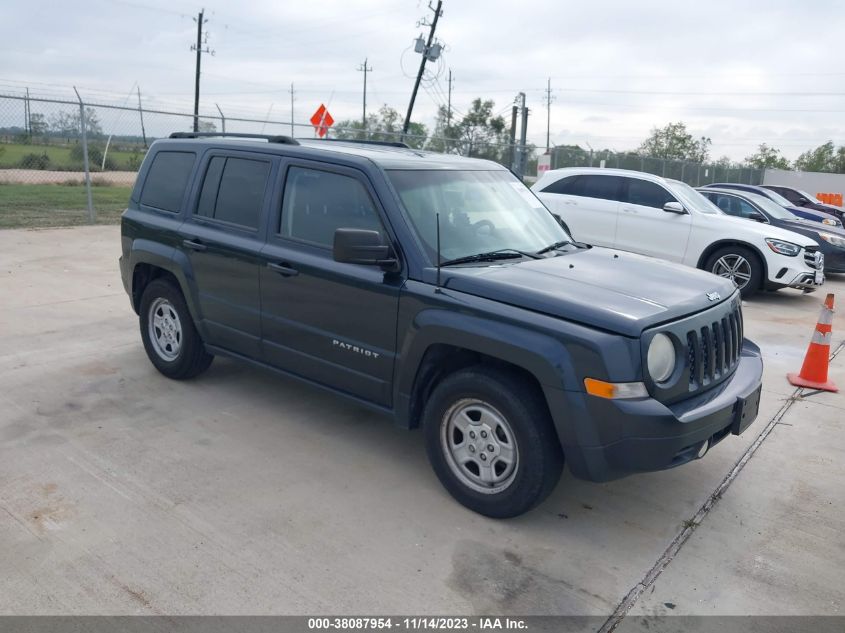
x=830, y=222
x=661, y=358
x=834, y=240
x=783, y=248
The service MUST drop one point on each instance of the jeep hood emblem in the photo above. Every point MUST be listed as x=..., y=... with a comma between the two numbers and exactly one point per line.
x=714, y=296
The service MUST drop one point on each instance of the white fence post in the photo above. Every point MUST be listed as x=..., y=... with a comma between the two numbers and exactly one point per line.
x=91, y=216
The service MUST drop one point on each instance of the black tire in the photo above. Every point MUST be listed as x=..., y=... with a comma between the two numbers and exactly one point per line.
x=186, y=357
x=754, y=282
x=539, y=458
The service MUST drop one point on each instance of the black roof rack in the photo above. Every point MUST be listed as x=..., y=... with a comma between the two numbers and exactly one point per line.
x=367, y=142
x=270, y=138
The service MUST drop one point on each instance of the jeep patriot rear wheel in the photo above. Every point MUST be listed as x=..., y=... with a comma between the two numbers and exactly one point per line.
x=170, y=339
x=491, y=442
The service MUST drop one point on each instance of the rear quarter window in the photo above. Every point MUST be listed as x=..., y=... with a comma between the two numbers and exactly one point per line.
x=167, y=179
x=567, y=186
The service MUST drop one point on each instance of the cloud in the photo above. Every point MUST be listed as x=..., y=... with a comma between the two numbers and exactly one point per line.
x=737, y=72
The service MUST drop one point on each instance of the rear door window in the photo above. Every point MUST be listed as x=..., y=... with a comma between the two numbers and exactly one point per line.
x=602, y=187
x=233, y=190
x=167, y=179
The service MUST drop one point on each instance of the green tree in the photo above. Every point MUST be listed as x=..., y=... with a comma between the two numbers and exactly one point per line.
x=207, y=126
x=824, y=158
x=384, y=125
x=479, y=133
x=570, y=156
x=444, y=135
x=67, y=123
x=676, y=143
x=37, y=124
x=767, y=158
x=95, y=156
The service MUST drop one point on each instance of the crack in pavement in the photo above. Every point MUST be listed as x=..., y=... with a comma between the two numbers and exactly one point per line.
x=690, y=525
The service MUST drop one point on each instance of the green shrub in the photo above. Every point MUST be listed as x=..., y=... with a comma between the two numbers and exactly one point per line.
x=134, y=162
x=95, y=157
x=35, y=161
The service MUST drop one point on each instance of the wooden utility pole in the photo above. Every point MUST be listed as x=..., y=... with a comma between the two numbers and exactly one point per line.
x=449, y=102
x=365, y=69
x=548, y=112
x=198, y=47
x=292, y=134
x=425, y=54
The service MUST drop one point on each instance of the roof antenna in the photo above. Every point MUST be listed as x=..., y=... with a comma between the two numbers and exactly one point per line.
x=437, y=289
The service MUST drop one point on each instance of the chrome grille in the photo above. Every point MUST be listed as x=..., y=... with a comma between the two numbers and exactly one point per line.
x=713, y=351
x=813, y=258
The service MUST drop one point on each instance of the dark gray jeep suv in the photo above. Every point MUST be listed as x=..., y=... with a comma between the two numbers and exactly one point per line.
x=440, y=291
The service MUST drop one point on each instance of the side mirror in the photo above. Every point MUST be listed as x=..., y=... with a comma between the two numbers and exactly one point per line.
x=360, y=246
x=757, y=217
x=674, y=207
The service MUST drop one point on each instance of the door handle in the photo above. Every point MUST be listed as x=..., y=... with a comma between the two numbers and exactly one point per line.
x=283, y=269
x=194, y=246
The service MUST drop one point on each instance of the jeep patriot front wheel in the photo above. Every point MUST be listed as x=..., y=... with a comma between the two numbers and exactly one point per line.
x=491, y=442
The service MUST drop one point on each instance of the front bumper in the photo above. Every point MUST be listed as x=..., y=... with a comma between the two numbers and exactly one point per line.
x=808, y=281
x=805, y=272
x=607, y=439
x=834, y=260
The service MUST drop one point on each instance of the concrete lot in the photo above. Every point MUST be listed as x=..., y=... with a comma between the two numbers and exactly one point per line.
x=122, y=492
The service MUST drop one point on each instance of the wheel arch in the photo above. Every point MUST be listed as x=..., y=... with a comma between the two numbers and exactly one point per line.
x=441, y=360
x=153, y=260
x=715, y=246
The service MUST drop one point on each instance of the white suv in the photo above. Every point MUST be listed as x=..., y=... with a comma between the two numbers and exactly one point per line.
x=664, y=218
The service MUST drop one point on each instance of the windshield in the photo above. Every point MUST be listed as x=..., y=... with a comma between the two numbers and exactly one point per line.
x=692, y=198
x=809, y=196
x=770, y=207
x=480, y=212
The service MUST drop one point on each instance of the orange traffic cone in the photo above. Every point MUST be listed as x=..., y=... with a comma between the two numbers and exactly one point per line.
x=814, y=370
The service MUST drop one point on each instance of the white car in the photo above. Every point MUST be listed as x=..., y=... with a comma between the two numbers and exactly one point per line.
x=650, y=215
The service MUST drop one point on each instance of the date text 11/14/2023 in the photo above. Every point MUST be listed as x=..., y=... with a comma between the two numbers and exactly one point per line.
x=432, y=623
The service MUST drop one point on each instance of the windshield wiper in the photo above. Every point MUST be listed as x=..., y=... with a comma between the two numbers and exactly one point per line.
x=504, y=253
x=555, y=246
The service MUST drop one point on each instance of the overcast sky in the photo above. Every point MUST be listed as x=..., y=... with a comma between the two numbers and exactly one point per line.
x=739, y=72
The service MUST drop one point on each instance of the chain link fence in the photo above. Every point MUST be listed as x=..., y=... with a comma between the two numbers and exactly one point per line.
x=45, y=143
x=65, y=161
x=694, y=174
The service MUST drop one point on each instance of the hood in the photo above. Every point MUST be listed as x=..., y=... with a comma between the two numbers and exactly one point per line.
x=743, y=228
x=810, y=225
x=832, y=209
x=821, y=215
x=604, y=288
